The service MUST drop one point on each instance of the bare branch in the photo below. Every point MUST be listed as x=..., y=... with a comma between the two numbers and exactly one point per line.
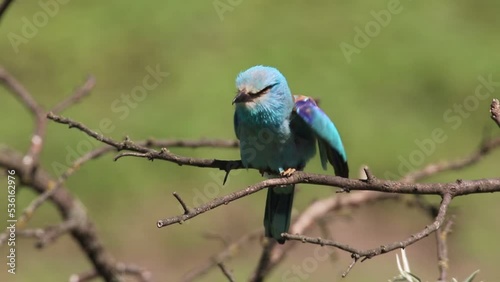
x=355, y=259
x=264, y=261
x=20, y=92
x=186, y=143
x=123, y=269
x=134, y=270
x=70, y=208
x=226, y=272
x=52, y=188
x=181, y=201
x=495, y=111
x=431, y=169
x=53, y=232
x=32, y=156
x=369, y=176
x=4, y=6
x=230, y=251
x=148, y=153
x=49, y=234
x=79, y=94
x=458, y=188
x=82, y=277
x=224, y=240
x=442, y=249
x=372, y=184
x=367, y=254
x=451, y=189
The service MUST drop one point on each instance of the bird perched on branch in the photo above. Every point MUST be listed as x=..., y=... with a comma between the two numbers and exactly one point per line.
x=278, y=134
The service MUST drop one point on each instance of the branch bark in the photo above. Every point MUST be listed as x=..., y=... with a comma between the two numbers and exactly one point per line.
x=5, y=5
x=495, y=111
x=442, y=249
x=70, y=209
x=446, y=190
x=367, y=254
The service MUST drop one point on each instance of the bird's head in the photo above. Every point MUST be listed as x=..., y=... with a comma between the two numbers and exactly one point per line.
x=262, y=86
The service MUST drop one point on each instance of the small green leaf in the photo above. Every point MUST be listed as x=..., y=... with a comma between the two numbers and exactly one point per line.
x=471, y=277
x=414, y=276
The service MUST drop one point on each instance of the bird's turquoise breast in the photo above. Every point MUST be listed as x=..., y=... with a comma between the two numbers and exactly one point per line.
x=272, y=145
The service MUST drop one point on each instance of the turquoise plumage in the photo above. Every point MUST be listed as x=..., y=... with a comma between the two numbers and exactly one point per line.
x=278, y=134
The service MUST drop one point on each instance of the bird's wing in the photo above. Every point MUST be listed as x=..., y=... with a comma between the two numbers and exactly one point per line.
x=329, y=142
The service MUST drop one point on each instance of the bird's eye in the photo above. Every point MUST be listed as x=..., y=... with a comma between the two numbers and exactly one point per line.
x=265, y=89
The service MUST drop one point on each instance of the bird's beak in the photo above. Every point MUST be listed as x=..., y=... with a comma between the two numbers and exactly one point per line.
x=241, y=97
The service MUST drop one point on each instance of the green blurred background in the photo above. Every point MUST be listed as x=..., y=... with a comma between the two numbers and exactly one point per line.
x=395, y=90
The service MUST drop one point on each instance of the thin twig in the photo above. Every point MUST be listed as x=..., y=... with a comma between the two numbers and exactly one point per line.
x=485, y=148
x=226, y=272
x=52, y=188
x=262, y=267
x=458, y=188
x=122, y=268
x=79, y=94
x=442, y=249
x=355, y=259
x=11, y=83
x=31, y=158
x=142, y=274
x=4, y=7
x=70, y=208
x=147, y=152
x=230, y=251
x=495, y=111
x=181, y=201
x=370, y=253
x=49, y=234
x=371, y=184
x=224, y=240
x=53, y=232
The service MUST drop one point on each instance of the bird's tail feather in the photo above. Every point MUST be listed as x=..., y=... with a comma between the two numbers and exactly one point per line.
x=278, y=211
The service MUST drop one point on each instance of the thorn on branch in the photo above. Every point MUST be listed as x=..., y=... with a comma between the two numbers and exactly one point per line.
x=226, y=176
x=369, y=176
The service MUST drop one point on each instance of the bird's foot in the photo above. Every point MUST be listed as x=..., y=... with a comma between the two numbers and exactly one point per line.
x=288, y=172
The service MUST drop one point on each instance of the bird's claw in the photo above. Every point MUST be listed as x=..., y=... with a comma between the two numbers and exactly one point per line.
x=288, y=172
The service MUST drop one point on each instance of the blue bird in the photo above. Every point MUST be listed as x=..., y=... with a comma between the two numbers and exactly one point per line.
x=278, y=134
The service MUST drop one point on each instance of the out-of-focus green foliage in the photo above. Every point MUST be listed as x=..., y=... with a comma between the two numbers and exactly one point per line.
x=396, y=103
